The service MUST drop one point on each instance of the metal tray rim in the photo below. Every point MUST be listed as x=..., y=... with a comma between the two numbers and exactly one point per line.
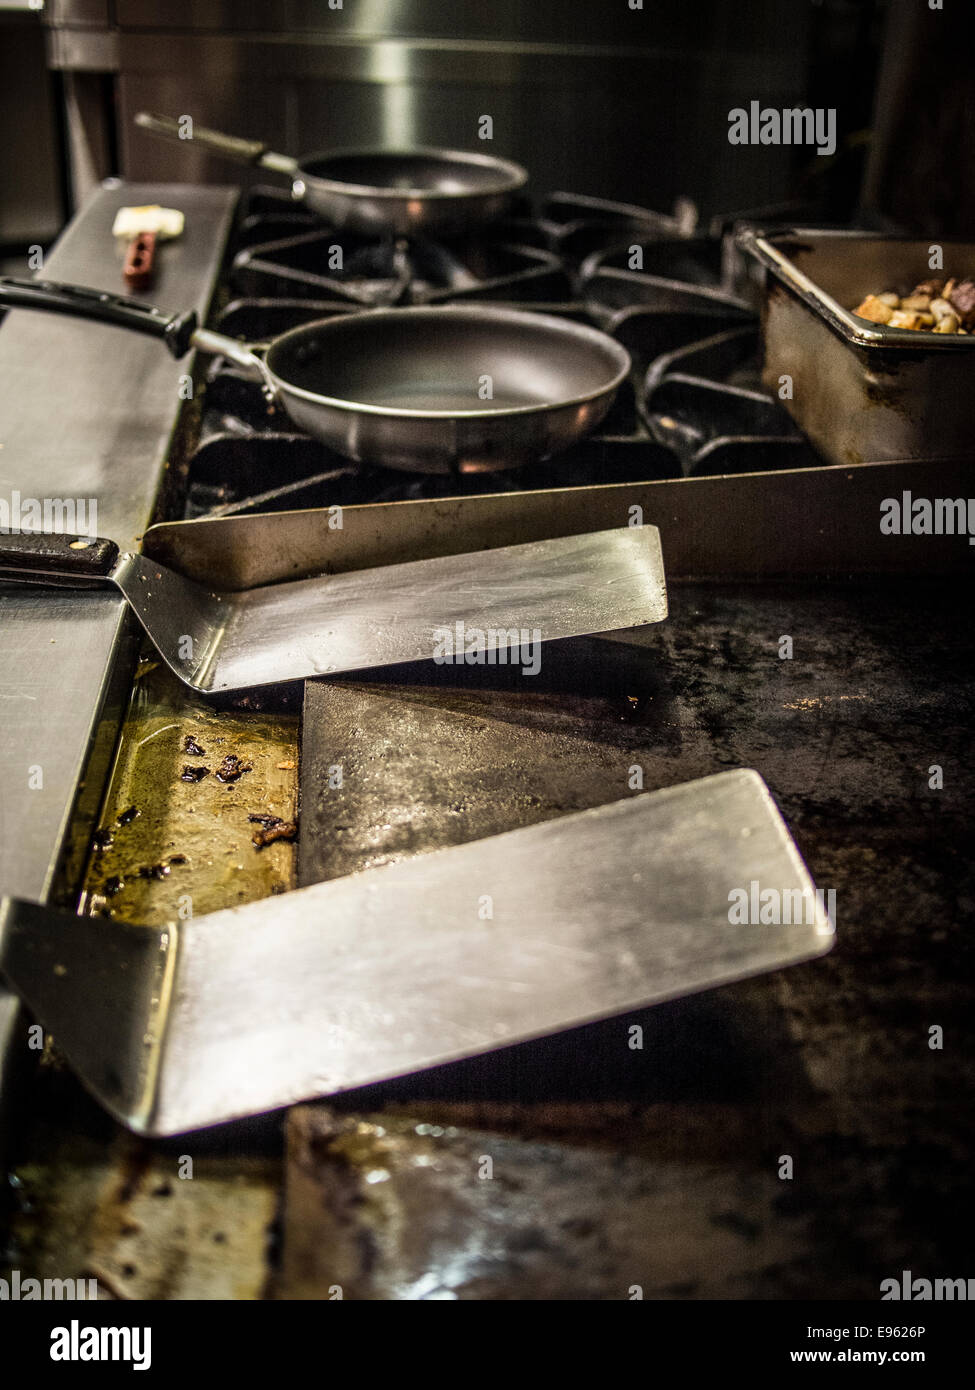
x=762, y=248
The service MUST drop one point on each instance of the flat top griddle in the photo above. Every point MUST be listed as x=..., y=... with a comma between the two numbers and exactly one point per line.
x=657, y=1166
x=829, y=1063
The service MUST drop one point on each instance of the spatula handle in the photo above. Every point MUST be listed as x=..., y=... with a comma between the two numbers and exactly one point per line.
x=140, y=261
x=82, y=302
x=42, y=555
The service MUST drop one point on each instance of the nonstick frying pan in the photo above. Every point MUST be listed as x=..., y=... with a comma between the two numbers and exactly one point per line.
x=374, y=192
x=431, y=390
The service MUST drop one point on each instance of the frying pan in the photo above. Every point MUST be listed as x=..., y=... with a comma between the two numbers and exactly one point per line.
x=374, y=192
x=467, y=389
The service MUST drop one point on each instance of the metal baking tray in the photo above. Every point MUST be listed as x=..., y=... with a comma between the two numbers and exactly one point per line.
x=861, y=391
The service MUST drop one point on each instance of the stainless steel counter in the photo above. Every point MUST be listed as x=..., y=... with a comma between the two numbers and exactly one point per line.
x=86, y=412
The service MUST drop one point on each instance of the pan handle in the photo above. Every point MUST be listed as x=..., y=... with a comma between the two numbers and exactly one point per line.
x=179, y=332
x=216, y=142
x=43, y=555
x=79, y=301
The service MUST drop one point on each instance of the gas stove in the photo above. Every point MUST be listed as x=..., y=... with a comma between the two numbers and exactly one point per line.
x=694, y=405
x=694, y=442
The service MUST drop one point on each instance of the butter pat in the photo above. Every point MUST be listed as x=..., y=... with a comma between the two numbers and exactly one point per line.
x=132, y=222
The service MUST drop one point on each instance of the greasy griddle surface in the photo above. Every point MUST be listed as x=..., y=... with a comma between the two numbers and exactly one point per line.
x=660, y=1167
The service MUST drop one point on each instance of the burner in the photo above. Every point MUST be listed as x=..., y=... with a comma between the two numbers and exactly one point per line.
x=317, y=264
x=694, y=404
x=706, y=402
x=578, y=226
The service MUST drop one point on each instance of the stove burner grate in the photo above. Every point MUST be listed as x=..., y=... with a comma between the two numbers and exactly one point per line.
x=694, y=405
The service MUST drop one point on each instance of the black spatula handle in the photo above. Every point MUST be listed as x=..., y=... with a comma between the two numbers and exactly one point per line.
x=43, y=556
x=82, y=302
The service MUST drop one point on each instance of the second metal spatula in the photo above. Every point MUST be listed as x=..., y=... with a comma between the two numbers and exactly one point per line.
x=497, y=600
x=436, y=958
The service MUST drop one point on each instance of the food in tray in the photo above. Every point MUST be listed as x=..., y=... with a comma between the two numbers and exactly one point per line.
x=933, y=306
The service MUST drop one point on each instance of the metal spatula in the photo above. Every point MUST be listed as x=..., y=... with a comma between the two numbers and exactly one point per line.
x=425, y=961
x=489, y=601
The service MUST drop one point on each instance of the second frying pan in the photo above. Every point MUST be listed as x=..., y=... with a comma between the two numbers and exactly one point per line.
x=431, y=390
x=374, y=192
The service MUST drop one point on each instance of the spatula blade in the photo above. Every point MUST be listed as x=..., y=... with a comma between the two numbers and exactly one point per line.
x=435, y=958
x=505, y=602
